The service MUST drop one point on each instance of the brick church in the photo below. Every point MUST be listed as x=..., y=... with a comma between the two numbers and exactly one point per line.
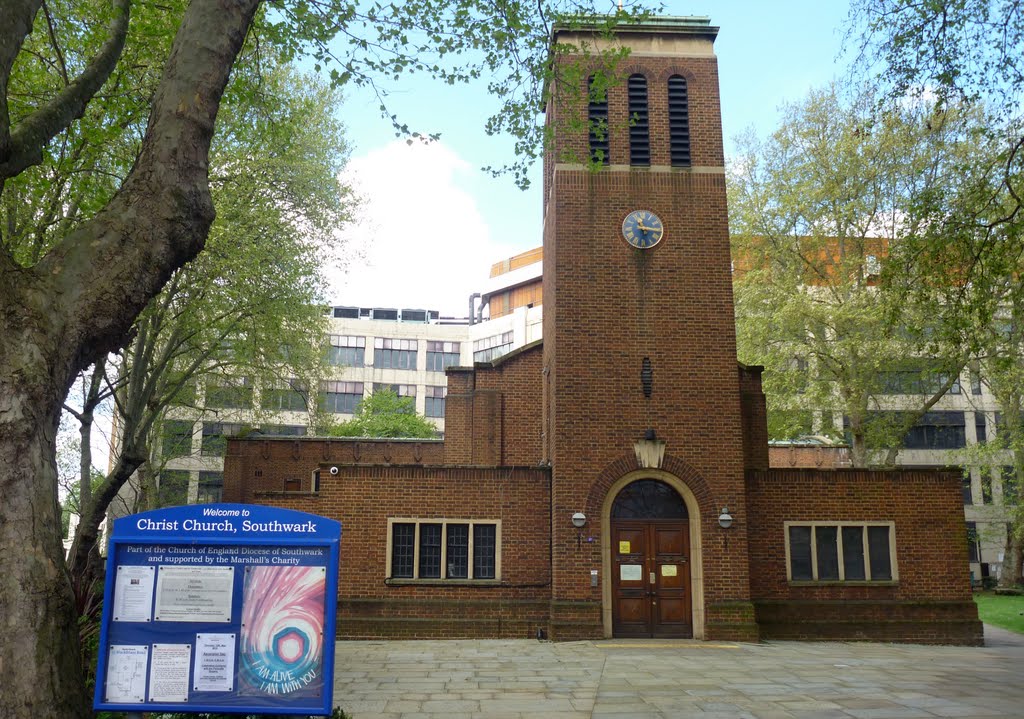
x=612, y=480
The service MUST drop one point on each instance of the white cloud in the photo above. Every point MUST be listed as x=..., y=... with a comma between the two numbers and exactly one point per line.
x=423, y=241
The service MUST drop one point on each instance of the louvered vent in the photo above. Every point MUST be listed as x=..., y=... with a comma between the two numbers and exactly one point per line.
x=598, y=123
x=679, y=121
x=639, y=123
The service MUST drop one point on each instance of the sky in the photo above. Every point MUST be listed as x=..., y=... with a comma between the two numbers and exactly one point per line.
x=432, y=222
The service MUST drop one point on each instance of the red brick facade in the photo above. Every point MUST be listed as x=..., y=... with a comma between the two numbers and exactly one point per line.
x=636, y=379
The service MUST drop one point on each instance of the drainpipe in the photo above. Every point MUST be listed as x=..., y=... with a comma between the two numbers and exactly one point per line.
x=472, y=312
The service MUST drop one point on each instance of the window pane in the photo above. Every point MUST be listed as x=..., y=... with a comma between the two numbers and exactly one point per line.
x=430, y=551
x=878, y=549
x=176, y=439
x=484, y=549
x=457, y=554
x=173, y=488
x=800, y=553
x=211, y=487
x=402, y=550
x=828, y=552
x=853, y=553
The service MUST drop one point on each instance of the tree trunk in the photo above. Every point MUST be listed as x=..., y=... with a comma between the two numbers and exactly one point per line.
x=1010, y=574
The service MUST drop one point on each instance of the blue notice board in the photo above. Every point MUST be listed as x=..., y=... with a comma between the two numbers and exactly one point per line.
x=219, y=608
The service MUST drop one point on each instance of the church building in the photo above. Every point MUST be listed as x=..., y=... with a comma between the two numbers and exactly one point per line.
x=612, y=479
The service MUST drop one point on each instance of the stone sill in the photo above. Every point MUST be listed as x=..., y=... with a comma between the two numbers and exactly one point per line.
x=844, y=583
x=443, y=582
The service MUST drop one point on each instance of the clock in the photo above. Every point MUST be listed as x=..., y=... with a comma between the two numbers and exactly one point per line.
x=642, y=229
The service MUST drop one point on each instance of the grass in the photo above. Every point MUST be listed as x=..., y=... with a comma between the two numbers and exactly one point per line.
x=1003, y=611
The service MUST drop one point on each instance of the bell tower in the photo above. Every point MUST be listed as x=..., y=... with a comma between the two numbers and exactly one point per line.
x=641, y=380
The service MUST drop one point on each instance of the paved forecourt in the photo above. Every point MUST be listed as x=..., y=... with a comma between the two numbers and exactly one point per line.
x=513, y=679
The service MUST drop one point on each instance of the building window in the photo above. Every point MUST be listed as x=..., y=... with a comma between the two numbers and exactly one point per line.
x=975, y=381
x=215, y=437
x=450, y=549
x=175, y=438
x=979, y=427
x=441, y=355
x=346, y=351
x=937, y=430
x=290, y=396
x=172, y=488
x=965, y=488
x=916, y=380
x=639, y=122
x=490, y=348
x=973, y=550
x=840, y=551
x=399, y=390
x=340, y=397
x=678, y=121
x=597, y=122
x=986, y=487
x=283, y=430
x=391, y=353
x=229, y=393
x=434, y=404
x=1009, y=481
x=211, y=487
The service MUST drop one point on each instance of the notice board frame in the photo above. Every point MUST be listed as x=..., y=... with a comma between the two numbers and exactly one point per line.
x=281, y=659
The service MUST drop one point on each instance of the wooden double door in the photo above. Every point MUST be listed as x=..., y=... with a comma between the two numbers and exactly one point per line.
x=651, y=578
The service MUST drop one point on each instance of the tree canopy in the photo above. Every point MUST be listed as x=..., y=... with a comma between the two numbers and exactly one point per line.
x=385, y=414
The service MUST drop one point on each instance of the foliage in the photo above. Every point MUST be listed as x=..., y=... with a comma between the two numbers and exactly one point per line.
x=818, y=211
x=1001, y=610
x=385, y=414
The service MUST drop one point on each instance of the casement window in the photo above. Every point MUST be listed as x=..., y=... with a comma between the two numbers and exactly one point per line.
x=441, y=355
x=287, y=396
x=172, y=487
x=346, y=351
x=391, y=353
x=489, y=348
x=211, y=487
x=841, y=551
x=229, y=393
x=176, y=438
x=434, y=403
x=448, y=549
x=215, y=437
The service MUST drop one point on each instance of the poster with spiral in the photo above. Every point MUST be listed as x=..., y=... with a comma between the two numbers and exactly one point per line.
x=282, y=636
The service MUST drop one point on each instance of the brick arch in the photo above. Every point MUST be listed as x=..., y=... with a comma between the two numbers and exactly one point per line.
x=688, y=75
x=627, y=463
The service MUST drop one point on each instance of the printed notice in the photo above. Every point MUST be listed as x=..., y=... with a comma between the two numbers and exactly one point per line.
x=133, y=593
x=624, y=547
x=194, y=594
x=126, y=674
x=215, y=663
x=168, y=673
x=630, y=572
x=668, y=570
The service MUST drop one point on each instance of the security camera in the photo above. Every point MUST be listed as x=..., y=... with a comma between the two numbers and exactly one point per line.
x=334, y=470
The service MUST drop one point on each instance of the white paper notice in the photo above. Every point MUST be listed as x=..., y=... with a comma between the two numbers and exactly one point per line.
x=215, y=663
x=630, y=572
x=126, y=674
x=168, y=672
x=133, y=593
x=194, y=594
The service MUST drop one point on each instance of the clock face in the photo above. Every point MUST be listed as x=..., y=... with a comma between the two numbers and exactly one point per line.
x=642, y=229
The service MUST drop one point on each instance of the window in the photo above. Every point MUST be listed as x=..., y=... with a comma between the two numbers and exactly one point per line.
x=979, y=427
x=597, y=122
x=215, y=437
x=973, y=549
x=289, y=397
x=965, y=488
x=490, y=348
x=916, y=380
x=975, y=381
x=175, y=438
x=639, y=123
x=283, y=430
x=346, y=351
x=444, y=549
x=678, y=121
x=840, y=551
x=399, y=390
x=1009, y=480
x=340, y=397
x=434, y=405
x=211, y=487
x=172, y=488
x=441, y=355
x=229, y=393
x=937, y=430
x=986, y=487
x=391, y=353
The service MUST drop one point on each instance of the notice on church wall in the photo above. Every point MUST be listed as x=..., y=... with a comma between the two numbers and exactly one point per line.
x=194, y=594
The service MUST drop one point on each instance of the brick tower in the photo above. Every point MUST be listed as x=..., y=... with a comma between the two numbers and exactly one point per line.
x=642, y=390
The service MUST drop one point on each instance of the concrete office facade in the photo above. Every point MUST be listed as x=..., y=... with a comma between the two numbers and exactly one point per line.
x=613, y=479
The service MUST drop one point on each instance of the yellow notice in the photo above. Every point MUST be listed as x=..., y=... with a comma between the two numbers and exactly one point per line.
x=623, y=547
x=668, y=570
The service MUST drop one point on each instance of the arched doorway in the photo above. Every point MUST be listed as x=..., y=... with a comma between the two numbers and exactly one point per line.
x=650, y=562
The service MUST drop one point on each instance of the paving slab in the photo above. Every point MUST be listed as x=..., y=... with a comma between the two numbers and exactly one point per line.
x=527, y=679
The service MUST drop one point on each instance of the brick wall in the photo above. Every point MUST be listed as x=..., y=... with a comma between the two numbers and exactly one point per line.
x=930, y=601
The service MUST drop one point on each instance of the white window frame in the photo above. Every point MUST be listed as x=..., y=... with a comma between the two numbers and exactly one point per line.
x=496, y=523
x=894, y=570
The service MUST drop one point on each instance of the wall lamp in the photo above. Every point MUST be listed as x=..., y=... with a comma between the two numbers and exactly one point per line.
x=579, y=520
x=725, y=519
